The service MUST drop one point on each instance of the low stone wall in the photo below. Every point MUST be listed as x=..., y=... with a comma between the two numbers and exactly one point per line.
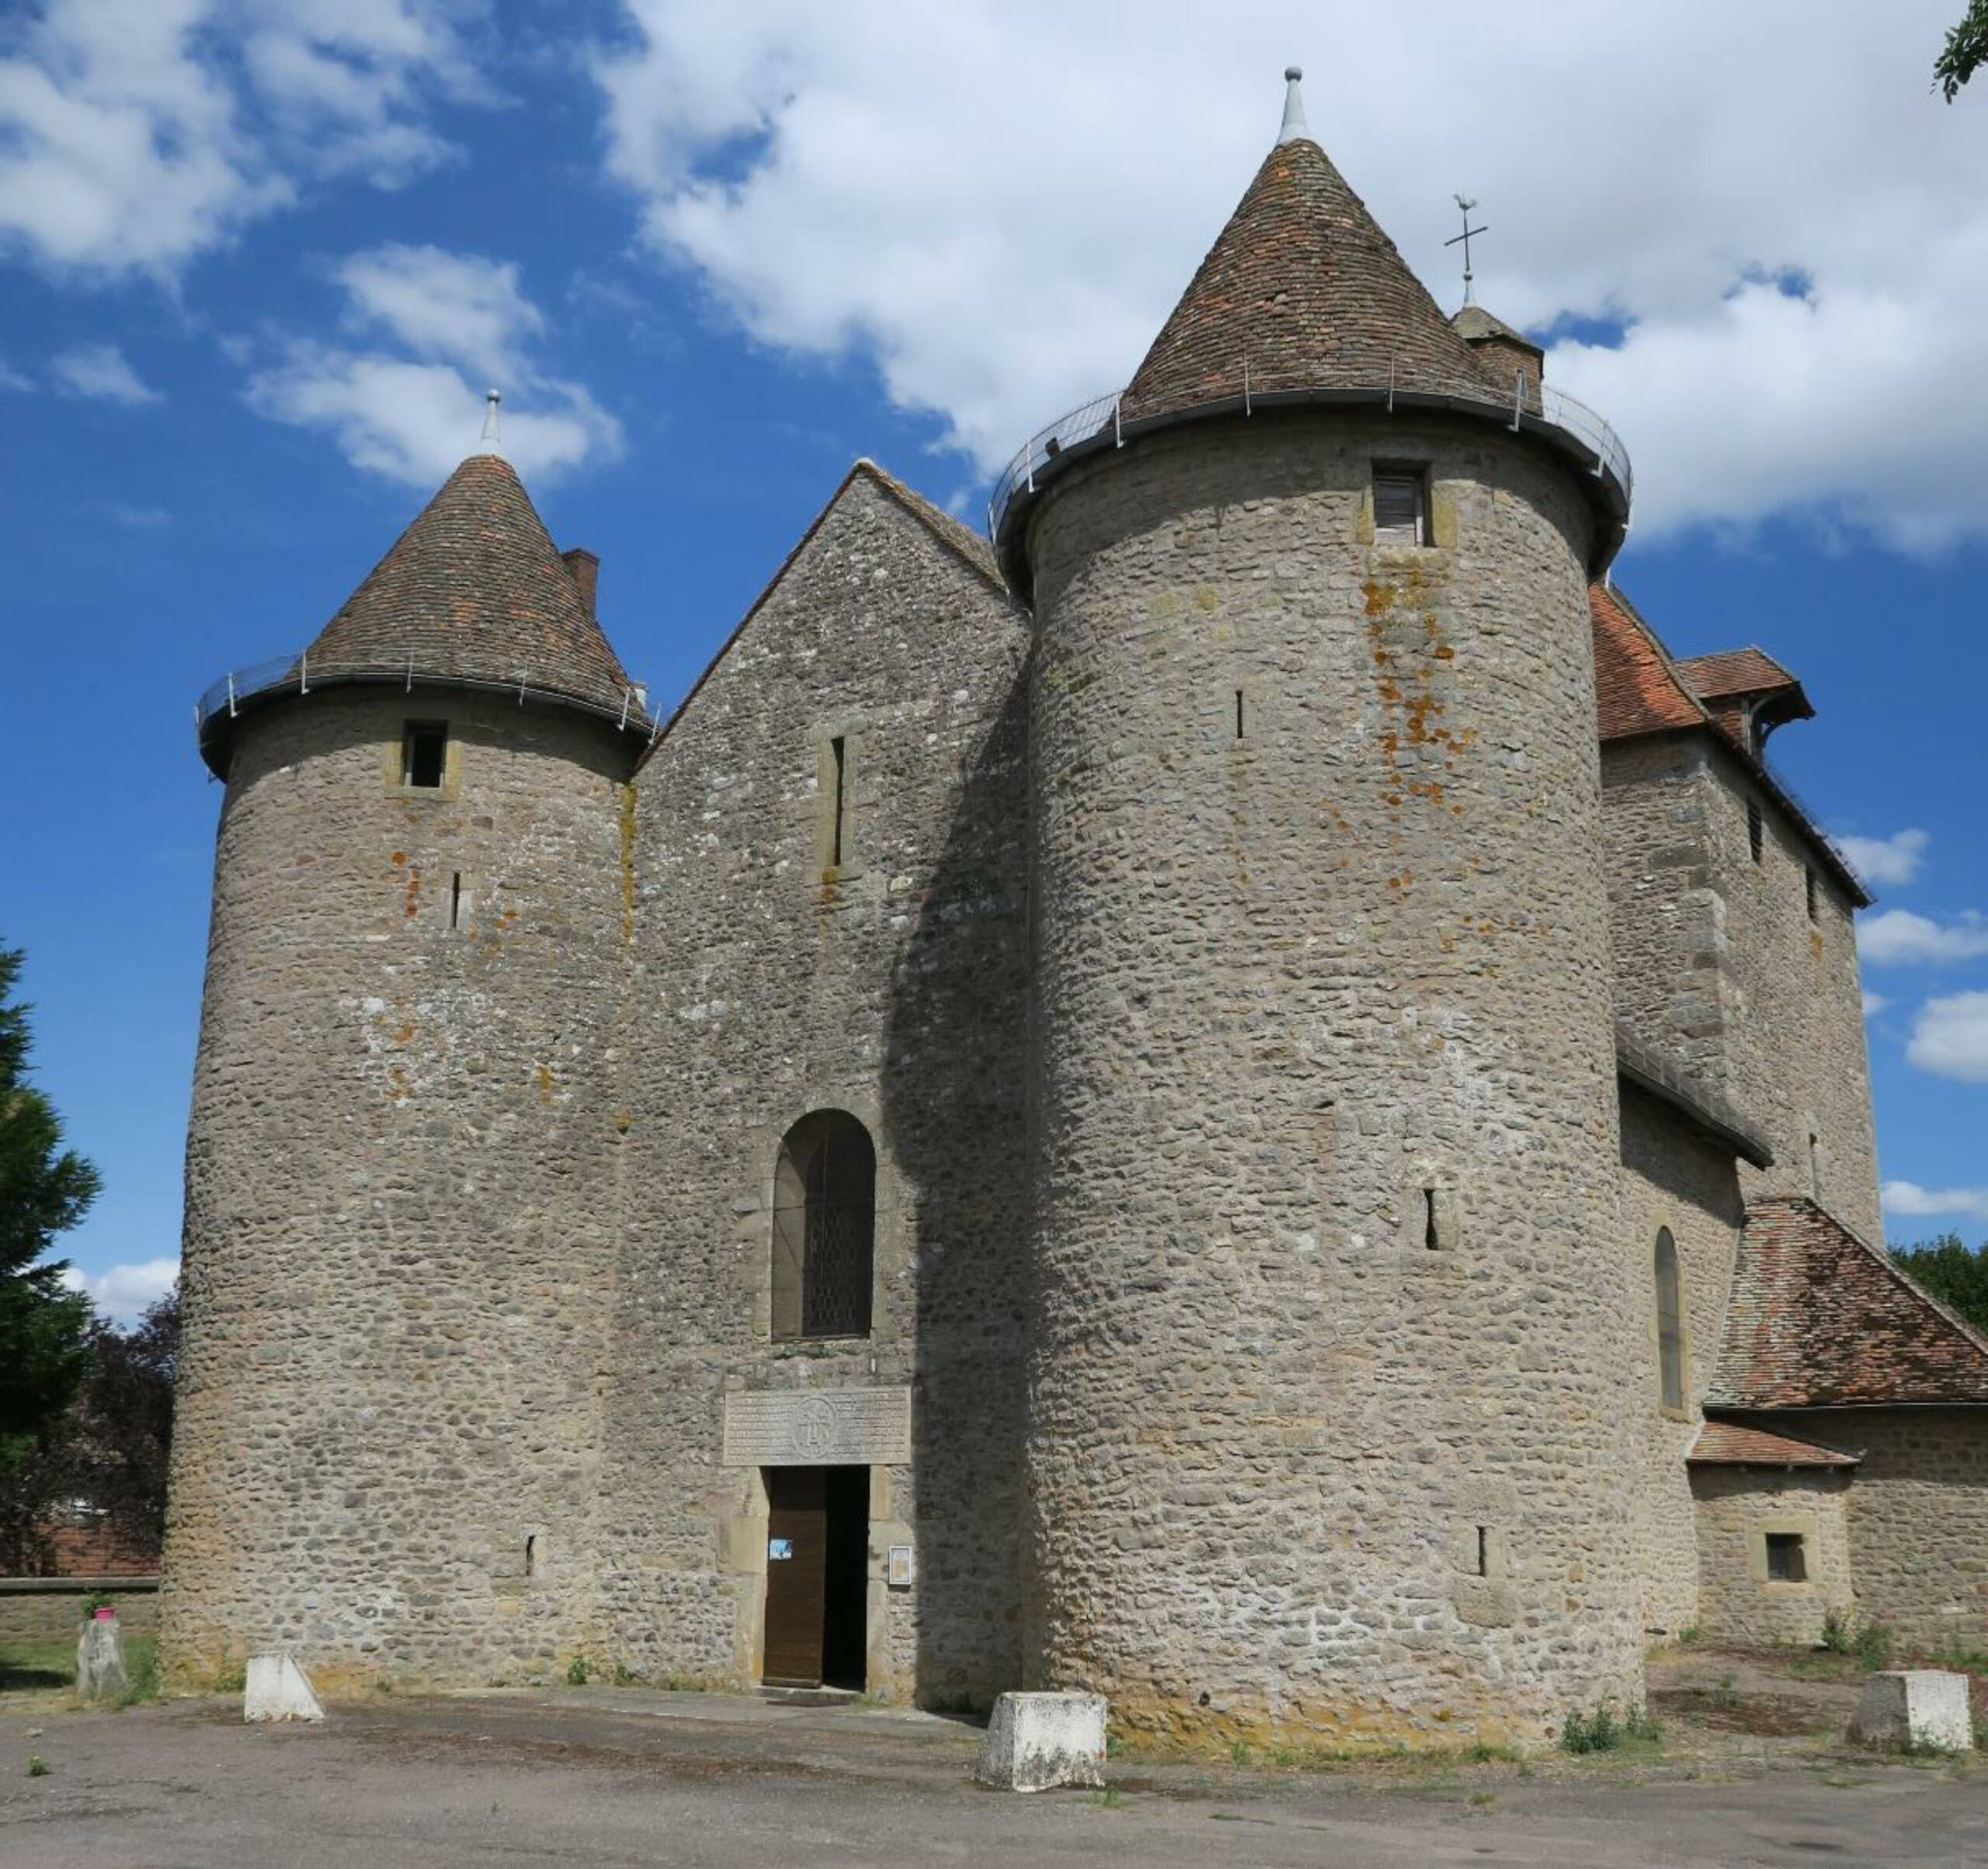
x=48, y=1609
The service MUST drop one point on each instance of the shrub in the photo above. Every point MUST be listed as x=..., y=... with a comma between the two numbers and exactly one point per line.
x=578, y=1670
x=1595, y=1732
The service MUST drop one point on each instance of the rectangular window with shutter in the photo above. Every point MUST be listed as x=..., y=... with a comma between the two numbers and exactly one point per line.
x=1401, y=507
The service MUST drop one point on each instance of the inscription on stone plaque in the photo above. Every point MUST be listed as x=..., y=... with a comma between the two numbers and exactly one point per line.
x=818, y=1428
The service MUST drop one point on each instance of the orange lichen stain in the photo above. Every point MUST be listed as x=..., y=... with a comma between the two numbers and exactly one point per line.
x=624, y=1121
x=542, y=1076
x=400, y=857
x=1379, y=597
x=399, y=1086
x=413, y=890
x=1816, y=946
x=404, y=1033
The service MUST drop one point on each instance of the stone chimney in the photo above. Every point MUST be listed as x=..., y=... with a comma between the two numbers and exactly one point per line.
x=1503, y=352
x=585, y=567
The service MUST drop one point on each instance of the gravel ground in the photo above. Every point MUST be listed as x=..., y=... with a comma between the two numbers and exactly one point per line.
x=613, y=1777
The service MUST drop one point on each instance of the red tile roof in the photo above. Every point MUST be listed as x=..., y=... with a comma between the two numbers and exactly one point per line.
x=1819, y=1318
x=1304, y=284
x=1730, y=672
x=475, y=589
x=1637, y=686
x=1726, y=1444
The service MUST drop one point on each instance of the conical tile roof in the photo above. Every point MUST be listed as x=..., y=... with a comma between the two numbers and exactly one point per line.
x=474, y=590
x=1304, y=285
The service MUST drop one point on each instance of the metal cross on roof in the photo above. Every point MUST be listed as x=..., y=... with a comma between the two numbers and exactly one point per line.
x=1464, y=239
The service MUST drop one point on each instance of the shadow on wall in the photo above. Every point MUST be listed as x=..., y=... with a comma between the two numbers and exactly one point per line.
x=954, y=1115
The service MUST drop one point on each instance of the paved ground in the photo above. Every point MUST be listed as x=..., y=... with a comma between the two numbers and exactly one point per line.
x=601, y=1777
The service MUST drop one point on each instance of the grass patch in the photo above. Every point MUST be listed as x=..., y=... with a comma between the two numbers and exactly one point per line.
x=37, y=1766
x=51, y=1667
x=1601, y=1731
x=1110, y=1798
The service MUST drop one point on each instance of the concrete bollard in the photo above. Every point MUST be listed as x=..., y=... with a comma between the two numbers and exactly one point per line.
x=278, y=1689
x=1036, y=1742
x=100, y=1660
x=1903, y=1708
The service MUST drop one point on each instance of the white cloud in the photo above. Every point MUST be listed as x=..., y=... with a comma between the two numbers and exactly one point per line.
x=1874, y=1003
x=1893, y=860
x=1895, y=937
x=459, y=322
x=458, y=306
x=123, y=1293
x=135, y=134
x=99, y=371
x=1908, y=1197
x=13, y=379
x=999, y=207
x=1950, y=1037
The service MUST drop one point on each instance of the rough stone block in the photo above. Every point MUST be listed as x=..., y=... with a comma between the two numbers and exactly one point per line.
x=100, y=1660
x=1036, y=1742
x=1906, y=1706
x=278, y=1689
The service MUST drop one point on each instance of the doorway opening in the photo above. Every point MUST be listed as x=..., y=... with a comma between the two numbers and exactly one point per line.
x=817, y=1539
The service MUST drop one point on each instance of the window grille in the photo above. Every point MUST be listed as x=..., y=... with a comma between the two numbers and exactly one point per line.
x=824, y=1219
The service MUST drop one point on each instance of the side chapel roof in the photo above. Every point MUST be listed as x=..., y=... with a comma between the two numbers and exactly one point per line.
x=1820, y=1318
x=1728, y=1444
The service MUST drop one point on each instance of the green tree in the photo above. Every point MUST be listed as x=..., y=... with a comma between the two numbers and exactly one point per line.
x=1964, y=52
x=44, y=1190
x=1955, y=1274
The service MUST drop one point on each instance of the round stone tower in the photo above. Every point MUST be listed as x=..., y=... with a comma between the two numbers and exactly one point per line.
x=1327, y=1436
x=401, y=1158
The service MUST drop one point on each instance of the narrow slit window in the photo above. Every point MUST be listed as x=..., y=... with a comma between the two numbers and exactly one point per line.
x=1401, y=507
x=1809, y=892
x=1756, y=830
x=456, y=900
x=1788, y=1557
x=1484, y=1551
x=424, y=754
x=838, y=758
x=1669, y=1322
x=1431, y=1232
x=531, y=1554
x=1238, y=713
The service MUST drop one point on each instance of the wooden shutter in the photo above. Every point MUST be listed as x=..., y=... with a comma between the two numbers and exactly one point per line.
x=1397, y=510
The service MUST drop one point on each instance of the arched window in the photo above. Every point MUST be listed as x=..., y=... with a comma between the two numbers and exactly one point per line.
x=1669, y=1322
x=825, y=1223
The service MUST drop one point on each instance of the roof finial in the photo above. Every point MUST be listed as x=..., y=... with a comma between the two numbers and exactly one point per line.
x=1293, y=108
x=492, y=442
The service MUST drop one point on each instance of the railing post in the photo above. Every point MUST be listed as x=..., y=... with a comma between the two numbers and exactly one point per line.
x=231, y=694
x=1391, y=382
x=303, y=675
x=1518, y=398
x=1117, y=433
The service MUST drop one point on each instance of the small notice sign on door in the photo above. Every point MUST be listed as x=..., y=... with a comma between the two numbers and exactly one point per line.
x=777, y=1548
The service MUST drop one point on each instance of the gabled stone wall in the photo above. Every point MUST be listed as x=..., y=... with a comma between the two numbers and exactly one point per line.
x=772, y=981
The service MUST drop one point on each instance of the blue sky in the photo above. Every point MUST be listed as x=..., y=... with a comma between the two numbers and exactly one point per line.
x=260, y=258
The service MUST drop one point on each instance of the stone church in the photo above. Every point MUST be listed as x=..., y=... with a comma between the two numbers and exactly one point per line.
x=1240, y=1093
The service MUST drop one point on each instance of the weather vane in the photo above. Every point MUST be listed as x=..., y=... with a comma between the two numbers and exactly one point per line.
x=1464, y=239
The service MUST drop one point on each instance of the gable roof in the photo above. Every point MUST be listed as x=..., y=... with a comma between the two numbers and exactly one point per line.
x=1730, y=672
x=1820, y=1318
x=475, y=590
x=1637, y=686
x=1728, y=1444
x=960, y=541
x=1303, y=283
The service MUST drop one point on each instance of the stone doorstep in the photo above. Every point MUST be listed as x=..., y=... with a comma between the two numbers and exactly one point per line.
x=1903, y=1708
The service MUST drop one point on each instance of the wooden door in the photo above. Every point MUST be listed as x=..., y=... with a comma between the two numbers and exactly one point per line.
x=797, y=1573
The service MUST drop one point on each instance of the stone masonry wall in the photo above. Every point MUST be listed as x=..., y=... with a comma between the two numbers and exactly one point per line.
x=401, y=1183
x=1295, y=1472
x=1736, y=1505
x=1719, y=963
x=1918, y=1518
x=772, y=981
x=1675, y=1177
x=51, y=1609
